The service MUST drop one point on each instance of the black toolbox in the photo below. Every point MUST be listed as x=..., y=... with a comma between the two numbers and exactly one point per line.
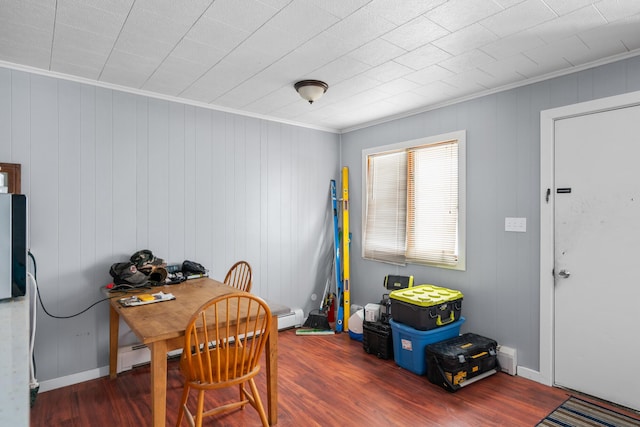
x=377, y=339
x=460, y=361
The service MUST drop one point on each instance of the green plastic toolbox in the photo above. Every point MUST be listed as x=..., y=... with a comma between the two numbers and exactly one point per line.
x=425, y=307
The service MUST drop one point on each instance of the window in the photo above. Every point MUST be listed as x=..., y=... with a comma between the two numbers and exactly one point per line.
x=414, y=210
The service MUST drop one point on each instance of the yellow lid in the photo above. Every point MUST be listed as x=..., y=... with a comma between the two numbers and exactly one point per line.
x=426, y=295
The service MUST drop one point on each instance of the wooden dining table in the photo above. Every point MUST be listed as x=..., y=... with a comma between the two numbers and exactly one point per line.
x=161, y=327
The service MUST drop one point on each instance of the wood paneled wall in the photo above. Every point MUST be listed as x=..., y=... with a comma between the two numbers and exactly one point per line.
x=108, y=173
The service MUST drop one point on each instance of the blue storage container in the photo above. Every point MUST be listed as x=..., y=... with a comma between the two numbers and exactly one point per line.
x=409, y=343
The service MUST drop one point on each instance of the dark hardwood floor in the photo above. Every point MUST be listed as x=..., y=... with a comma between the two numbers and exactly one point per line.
x=323, y=381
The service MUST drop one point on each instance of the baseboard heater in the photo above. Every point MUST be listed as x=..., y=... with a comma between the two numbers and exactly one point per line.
x=132, y=356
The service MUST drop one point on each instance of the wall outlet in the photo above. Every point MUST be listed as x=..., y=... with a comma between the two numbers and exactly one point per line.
x=518, y=225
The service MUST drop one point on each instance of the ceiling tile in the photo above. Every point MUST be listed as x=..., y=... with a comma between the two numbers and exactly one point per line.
x=408, y=100
x=120, y=62
x=82, y=40
x=614, y=10
x=513, y=44
x=352, y=87
x=466, y=39
x=398, y=86
x=415, y=33
x=340, y=69
x=303, y=20
x=342, y=8
x=91, y=19
x=388, y=71
x=124, y=77
x=11, y=32
x=293, y=67
x=505, y=68
x=569, y=24
x=72, y=55
x=181, y=12
x=609, y=38
x=429, y=75
x=194, y=51
x=376, y=52
x=144, y=23
x=548, y=58
x=467, y=61
x=272, y=41
x=435, y=91
x=116, y=7
x=562, y=7
x=276, y=100
x=519, y=17
x=467, y=82
x=75, y=69
x=423, y=57
x=24, y=53
x=234, y=13
x=572, y=49
x=456, y=14
x=143, y=46
x=508, y=3
x=174, y=75
x=38, y=15
x=399, y=14
x=360, y=28
x=249, y=91
x=215, y=33
x=217, y=81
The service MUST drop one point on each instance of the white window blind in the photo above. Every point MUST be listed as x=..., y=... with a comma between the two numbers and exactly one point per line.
x=386, y=218
x=432, y=229
x=414, y=210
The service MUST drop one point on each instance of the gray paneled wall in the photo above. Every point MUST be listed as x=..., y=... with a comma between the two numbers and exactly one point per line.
x=107, y=173
x=501, y=283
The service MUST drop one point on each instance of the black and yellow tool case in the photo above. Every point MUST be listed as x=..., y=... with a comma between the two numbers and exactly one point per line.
x=460, y=361
x=377, y=339
x=425, y=307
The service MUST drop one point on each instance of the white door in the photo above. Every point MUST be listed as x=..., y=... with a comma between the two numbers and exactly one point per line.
x=597, y=255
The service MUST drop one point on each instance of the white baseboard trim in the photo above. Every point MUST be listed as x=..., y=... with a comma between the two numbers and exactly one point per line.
x=530, y=374
x=73, y=379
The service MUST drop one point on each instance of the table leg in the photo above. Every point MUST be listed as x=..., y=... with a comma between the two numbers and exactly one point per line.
x=159, y=383
x=272, y=373
x=114, y=324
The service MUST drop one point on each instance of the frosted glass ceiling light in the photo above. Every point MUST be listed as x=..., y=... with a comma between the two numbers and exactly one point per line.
x=311, y=90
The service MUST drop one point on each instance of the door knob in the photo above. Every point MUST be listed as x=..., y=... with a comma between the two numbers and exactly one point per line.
x=564, y=273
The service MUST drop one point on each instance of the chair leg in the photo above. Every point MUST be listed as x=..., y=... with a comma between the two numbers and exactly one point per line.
x=200, y=410
x=241, y=388
x=258, y=403
x=183, y=401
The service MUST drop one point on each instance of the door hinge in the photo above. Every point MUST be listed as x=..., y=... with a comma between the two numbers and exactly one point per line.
x=548, y=194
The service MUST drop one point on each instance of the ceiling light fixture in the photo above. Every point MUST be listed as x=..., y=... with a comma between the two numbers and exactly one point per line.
x=311, y=90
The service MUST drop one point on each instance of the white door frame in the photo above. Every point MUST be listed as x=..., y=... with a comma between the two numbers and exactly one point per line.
x=545, y=374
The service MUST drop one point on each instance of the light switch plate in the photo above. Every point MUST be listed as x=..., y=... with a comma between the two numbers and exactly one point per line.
x=518, y=225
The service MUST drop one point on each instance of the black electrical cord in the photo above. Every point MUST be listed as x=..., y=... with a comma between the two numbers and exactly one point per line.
x=122, y=291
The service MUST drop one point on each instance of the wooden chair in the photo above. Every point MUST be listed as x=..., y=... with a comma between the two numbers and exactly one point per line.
x=239, y=276
x=223, y=344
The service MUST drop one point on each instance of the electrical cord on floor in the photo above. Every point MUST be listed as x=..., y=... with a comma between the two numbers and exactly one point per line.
x=121, y=292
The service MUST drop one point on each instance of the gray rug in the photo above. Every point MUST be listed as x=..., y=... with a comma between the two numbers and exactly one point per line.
x=575, y=412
